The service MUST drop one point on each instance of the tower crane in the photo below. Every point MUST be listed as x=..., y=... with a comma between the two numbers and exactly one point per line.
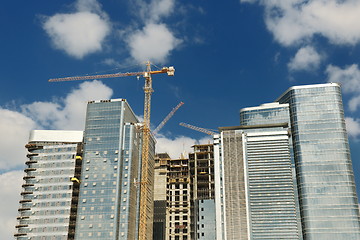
x=158, y=128
x=199, y=129
x=145, y=190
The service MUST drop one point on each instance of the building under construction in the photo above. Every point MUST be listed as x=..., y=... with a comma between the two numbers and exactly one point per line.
x=187, y=210
x=160, y=193
x=178, y=211
x=202, y=192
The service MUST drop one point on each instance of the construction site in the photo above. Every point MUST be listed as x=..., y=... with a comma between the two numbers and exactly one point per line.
x=248, y=182
x=160, y=197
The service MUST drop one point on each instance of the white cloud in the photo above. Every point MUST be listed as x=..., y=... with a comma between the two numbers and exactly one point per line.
x=10, y=187
x=68, y=113
x=354, y=103
x=79, y=33
x=89, y=6
x=352, y=127
x=154, y=42
x=349, y=77
x=178, y=145
x=14, y=128
x=293, y=21
x=306, y=58
x=155, y=10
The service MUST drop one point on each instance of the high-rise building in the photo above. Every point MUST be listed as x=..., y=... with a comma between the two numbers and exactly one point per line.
x=273, y=113
x=160, y=193
x=202, y=192
x=254, y=190
x=178, y=200
x=327, y=195
x=51, y=185
x=321, y=155
x=108, y=205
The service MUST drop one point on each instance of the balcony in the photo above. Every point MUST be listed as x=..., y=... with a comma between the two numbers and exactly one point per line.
x=21, y=225
x=29, y=169
x=24, y=209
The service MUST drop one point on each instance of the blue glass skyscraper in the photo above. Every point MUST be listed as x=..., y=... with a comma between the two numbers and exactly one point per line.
x=111, y=173
x=321, y=155
x=327, y=195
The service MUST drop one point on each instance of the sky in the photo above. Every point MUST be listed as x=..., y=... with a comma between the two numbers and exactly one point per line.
x=227, y=54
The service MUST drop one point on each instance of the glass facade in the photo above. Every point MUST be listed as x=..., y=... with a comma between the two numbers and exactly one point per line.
x=205, y=222
x=254, y=190
x=49, y=194
x=328, y=201
x=270, y=189
x=265, y=114
x=109, y=189
x=273, y=113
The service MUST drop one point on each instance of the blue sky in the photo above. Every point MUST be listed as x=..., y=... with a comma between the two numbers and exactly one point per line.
x=227, y=55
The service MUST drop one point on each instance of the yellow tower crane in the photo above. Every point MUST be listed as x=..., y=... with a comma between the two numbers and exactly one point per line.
x=145, y=190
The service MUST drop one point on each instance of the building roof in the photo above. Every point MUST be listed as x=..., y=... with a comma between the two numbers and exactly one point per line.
x=55, y=136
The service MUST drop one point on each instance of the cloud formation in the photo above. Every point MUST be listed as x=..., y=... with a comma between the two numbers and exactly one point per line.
x=155, y=10
x=295, y=21
x=67, y=113
x=178, y=145
x=154, y=42
x=10, y=187
x=349, y=78
x=306, y=59
x=353, y=127
x=80, y=33
x=14, y=128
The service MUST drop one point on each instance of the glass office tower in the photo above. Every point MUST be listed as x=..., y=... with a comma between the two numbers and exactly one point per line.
x=50, y=189
x=254, y=190
x=111, y=173
x=328, y=200
x=273, y=113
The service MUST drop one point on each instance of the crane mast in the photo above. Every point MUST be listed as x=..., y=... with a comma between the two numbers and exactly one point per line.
x=145, y=188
